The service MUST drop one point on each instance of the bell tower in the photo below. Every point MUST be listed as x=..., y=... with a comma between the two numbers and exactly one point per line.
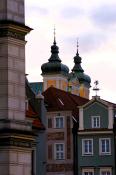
x=54, y=72
x=15, y=132
x=83, y=79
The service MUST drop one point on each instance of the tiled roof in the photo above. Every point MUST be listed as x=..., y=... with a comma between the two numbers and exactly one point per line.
x=30, y=112
x=59, y=100
x=36, y=122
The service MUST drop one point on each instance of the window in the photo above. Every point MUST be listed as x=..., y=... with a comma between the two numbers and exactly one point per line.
x=105, y=146
x=105, y=171
x=87, y=146
x=59, y=122
x=95, y=121
x=59, y=151
x=49, y=123
x=88, y=171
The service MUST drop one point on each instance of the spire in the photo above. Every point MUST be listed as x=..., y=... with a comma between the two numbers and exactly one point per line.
x=78, y=70
x=54, y=36
x=54, y=50
x=54, y=64
x=77, y=60
x=77, y=48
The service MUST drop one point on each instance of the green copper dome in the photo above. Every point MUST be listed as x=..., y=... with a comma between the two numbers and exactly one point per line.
x=54, y=64
x=78, y=70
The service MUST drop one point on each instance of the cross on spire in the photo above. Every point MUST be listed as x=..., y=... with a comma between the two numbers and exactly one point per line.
x=96, y=89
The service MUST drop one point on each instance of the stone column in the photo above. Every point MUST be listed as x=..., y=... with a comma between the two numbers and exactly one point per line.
x=12, y=59
x=16, y=137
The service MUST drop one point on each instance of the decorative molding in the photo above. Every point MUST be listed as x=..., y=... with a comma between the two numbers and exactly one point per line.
x=13, y=34
x=81, y=119
x=110, y=117
x=55, y=136
x=10, y=141
x=93, y=132
x=59, y=167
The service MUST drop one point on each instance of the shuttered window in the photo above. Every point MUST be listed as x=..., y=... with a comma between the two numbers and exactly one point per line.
x=49, y=123
x=49, y=152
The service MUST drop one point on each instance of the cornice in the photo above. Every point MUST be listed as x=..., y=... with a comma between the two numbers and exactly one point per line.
x=13, y=29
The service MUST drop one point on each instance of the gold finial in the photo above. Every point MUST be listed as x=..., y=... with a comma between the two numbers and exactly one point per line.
x=96, y=89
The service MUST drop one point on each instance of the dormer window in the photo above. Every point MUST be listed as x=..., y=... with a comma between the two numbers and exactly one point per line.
x=95, y=120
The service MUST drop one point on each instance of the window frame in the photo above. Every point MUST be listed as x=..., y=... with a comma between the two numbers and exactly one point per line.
x=59, y=125
x=87, y=170
x=92, y=121
x=100, y=146
x=55, y=152
x=105, y=170
x=83, y=147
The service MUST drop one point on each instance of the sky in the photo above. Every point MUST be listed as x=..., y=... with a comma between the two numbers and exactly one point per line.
x=93, y=22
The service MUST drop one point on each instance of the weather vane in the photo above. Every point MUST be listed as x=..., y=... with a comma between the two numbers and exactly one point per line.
x=96, y=89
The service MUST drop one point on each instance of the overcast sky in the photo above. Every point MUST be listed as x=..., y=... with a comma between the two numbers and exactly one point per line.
x=92, y=21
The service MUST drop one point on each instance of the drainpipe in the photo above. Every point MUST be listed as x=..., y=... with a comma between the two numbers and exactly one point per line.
x=75, y=147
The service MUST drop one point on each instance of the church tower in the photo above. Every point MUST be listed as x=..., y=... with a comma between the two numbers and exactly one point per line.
x=54, y=72
x=83, y=79
x=15, y=132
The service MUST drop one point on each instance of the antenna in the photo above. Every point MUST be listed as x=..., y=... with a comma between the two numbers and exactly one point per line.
x=96, y=89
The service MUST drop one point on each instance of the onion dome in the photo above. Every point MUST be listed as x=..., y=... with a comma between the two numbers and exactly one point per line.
x=54, y=64
x=78, y=70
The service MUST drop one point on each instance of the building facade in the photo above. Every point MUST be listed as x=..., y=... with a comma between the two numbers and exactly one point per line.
x=61, y=112
x=96, y=138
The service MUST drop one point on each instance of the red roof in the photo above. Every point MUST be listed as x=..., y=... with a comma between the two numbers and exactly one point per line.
x=30, y=113
x=35, y=117
x=59, y=100
x=37, y=124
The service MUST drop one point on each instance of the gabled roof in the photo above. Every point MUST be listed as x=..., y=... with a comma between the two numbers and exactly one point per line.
x=110, y=103
x=59, y=100
x=99, y=100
